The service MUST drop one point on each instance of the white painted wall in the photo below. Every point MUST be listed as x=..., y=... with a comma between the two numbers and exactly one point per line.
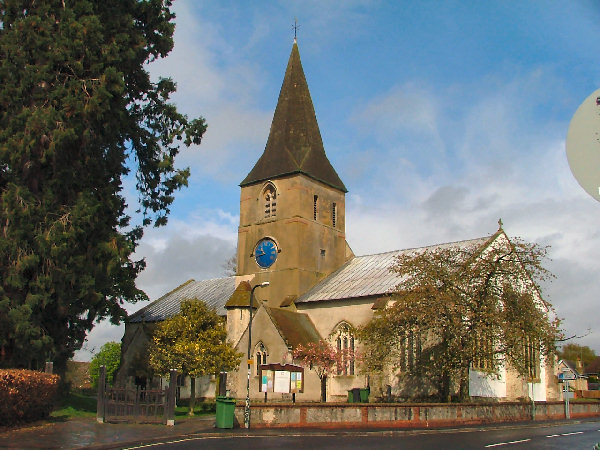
x=539, y=389
x=482, y=384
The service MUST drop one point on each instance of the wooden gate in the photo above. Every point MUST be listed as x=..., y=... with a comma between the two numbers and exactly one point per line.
x=136, y=405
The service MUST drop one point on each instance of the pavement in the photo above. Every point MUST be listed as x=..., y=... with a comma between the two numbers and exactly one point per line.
x=88, y=433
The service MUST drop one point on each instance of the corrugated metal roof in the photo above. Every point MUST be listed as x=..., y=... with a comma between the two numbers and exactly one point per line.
x=214, y=293
x=369, y=275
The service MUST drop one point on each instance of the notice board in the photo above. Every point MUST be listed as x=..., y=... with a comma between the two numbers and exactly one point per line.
x=281, y=378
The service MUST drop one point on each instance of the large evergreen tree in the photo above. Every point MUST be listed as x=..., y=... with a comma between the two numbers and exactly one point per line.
x=78, y=112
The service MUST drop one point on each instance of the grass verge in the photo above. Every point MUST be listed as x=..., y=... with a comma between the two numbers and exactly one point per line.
x=200, y=409
x=76, y=404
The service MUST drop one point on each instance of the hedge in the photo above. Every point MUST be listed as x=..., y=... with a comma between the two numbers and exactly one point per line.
x=26, y=395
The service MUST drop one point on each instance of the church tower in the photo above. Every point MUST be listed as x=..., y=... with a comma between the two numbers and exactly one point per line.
x=292, y=205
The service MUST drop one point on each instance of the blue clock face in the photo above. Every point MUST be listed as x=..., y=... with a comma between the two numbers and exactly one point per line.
x=265, y=253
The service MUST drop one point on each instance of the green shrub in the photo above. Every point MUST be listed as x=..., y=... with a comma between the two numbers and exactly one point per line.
x=26, y=395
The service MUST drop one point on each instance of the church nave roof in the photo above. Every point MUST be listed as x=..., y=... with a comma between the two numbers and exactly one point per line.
x=369, y=275
x=213, y=292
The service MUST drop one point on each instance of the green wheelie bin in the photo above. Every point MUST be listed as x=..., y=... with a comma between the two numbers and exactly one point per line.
x=225, y=412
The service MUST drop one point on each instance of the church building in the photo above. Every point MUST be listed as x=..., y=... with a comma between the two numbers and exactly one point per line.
x=292, y=235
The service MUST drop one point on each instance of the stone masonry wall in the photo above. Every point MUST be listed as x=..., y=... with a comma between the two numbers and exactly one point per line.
x=423, y=415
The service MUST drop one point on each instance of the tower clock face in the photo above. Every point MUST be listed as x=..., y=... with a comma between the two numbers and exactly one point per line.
x=265, y=252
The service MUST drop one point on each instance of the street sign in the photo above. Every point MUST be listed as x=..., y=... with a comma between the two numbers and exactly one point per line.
x=566, y=376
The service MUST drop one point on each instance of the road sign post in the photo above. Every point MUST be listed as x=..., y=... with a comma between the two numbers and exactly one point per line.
x=566, y=375
x=567, y=409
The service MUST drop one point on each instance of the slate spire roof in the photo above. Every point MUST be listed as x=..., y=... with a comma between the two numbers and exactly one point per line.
x=294, y=144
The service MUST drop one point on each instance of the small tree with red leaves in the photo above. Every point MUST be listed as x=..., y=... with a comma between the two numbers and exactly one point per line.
x=321, y=357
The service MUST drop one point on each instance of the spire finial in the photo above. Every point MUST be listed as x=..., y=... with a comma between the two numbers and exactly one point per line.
x=295, y=27
x=499, y=224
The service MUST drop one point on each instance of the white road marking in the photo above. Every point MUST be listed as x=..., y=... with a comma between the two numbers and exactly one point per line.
x=553, y=435
x=507, y=443
x=155, y=444
x=575, y=432
x=207, y=437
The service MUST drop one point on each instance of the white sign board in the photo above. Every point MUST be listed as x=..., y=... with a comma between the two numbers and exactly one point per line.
x=282, y=382
x=566, y=375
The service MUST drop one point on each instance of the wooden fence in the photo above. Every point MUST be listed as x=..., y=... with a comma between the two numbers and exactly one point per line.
x=118, y=404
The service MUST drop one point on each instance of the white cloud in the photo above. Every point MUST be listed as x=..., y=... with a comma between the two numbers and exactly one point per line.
x=102, y=333
x=214, y=79
x=196, y=248
x=407, y=107
x=232, y=131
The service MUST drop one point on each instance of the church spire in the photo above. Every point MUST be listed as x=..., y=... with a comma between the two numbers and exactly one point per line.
x=294, y=144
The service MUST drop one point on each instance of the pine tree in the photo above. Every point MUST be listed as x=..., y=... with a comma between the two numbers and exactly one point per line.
x=78, y=113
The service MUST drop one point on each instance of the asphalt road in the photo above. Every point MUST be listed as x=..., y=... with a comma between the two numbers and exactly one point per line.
x=582, y=435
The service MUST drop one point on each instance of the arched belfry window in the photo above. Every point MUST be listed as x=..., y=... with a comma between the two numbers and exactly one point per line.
x=344, y=343
x=261, y=353
x=270, y=200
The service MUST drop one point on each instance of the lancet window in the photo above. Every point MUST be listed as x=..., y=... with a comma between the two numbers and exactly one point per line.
x=261, y=354
x=532, y=359
x=344, y=341
x=410, y=351
x=485, y=360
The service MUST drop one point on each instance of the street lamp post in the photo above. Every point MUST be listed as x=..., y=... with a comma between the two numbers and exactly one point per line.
x=247, y=407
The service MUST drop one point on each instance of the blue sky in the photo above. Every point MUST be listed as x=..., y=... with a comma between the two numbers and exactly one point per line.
x=440, y=118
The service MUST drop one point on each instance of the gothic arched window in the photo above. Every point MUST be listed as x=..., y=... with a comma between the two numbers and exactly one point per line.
x=410, y=351
x=344, y=342
x=261, y=354
x=270, y=200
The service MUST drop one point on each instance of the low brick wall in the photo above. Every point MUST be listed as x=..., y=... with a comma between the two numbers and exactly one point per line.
x=402, y=415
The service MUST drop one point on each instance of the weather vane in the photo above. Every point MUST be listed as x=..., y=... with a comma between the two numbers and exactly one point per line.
x=295, y=27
